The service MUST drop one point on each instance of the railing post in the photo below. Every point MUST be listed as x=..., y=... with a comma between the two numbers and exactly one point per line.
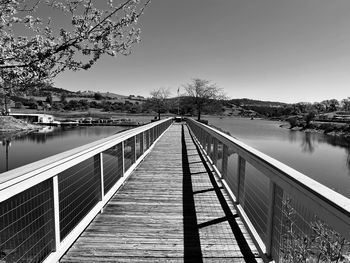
x=215, y=151
x=123, y=158
x=224, y=161
x=56, y=209
x=201, y=137
x=101, y=175
x=152, y=135
x=97, y=173
x=240, y=178
x=141, y=143
x=204, y=141
x=148, y=139
x=209, y=144
x=270, y=215
x=133, y=149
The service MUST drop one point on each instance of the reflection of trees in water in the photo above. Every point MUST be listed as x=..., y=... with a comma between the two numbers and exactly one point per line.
x=292, y=136
x=340, y=141
x=10, y=136
x=49, y=133
x=308, y=144
x=309, y=141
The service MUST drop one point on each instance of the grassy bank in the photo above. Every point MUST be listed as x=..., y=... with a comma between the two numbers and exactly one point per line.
x=9, y=124
x=329, y=128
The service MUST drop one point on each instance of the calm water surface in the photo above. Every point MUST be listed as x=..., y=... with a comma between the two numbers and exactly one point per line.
x=16, y=151
x=321, y=157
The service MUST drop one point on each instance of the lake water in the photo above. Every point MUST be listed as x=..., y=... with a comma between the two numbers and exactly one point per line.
x=322, y=157
x=23, y=149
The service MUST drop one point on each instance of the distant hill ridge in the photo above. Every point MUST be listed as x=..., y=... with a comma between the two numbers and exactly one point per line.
x=46, y=89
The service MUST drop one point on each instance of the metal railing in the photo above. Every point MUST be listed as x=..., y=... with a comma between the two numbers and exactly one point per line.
x=45, y=206
x=291, y=217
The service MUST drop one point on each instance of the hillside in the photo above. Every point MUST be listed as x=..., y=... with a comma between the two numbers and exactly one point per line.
x=250, y=102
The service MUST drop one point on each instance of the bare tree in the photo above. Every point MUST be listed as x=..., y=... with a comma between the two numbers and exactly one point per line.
x=35, y=48
x=202, y=91
x=158, y=98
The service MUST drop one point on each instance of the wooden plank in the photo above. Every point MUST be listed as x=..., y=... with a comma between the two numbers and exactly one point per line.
x=146, y=220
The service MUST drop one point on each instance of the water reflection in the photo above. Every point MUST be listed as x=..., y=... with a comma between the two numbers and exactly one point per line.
x=342, y=142
x=21, y=148
x=322, y=157
x=7, y=144
x=308, y=144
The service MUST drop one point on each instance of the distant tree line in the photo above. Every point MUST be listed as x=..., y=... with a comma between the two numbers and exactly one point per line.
x=274, y=109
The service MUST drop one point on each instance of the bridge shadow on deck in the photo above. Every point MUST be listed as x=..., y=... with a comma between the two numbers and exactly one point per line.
x=192, y=240
x=192, y=247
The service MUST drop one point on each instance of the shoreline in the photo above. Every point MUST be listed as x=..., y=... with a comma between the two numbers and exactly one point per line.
x=332, y=130
x=9, y=125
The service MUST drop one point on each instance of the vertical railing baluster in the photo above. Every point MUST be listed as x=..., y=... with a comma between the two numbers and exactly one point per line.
x=224, y=161
x=133, y=149
x=152, y=135
x=240, y=178
x=98, y=174
x=101, y=176
x=270, y=216
x=141, y=143
x=56, y=209
x=215, y=151
x=208, y=144
x=123, y=158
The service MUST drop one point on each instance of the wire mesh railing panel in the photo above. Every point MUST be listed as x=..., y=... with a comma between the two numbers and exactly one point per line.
x=27, y=225
x=232, y=171
x=147, y=139
x=205, y=141
x=301, y=236
x=129, y=152
x=151, y=136
x=209, y=144
x=277, y=223
x=138, y=145
x=112, y=166
x=79, y=191
x=211, y=153
x=220, y=156
x=254, y=198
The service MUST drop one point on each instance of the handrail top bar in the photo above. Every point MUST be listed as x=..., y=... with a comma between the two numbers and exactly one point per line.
x=24, y=172
x=328, y=195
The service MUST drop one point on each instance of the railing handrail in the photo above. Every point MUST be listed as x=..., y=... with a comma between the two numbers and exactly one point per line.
x=289, y=178
x=48, y=167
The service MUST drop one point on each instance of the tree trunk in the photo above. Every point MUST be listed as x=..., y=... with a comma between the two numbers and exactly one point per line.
x=199, y=113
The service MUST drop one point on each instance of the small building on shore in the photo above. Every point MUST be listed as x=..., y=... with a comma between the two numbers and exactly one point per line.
x=33, y=117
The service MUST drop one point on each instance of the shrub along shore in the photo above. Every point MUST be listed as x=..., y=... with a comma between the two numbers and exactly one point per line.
x=329, y=128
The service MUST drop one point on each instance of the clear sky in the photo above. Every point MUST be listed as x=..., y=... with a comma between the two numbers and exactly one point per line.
x=278, y=50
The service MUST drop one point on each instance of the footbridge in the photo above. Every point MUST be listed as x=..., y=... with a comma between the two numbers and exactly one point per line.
x=169, y=192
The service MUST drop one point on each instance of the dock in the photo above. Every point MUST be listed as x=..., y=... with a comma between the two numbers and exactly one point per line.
x=171, y=209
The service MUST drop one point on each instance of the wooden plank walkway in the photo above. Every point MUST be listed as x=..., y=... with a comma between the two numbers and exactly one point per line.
x=170, y=210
